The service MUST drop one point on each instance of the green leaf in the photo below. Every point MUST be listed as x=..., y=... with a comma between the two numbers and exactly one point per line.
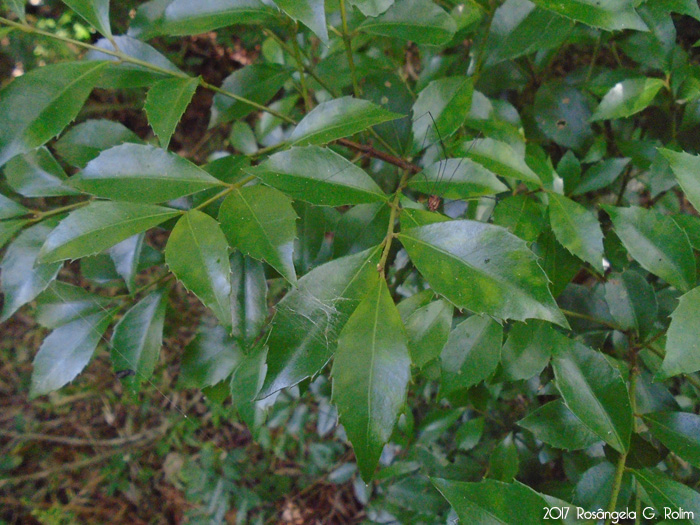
x=22, y=278
x=684, y=7
x=371, y=370
x=682, y=338
x=457, y=179
x=428, y=329
x=319, y=176
x=98, y=226
x=248, y=297
x=17, y=7
x=562, y=112
x=197, y=253
x=137, y=339
x=37, y=174
x=666, y=493
x=686, y=168
x=66, y=351
x=601, y=175
x=469, y=434
x=210, y=358
x=246, y=382
x=120, y=74
x=257, y=83
x=372, y=7
x=84, y=142
x=10, y=209
x=166, y=102
x=517, y=30
x=361, y=227
x=503, y=461
x=49, y=97
x=523, y=216
x=627, y=98
x=501, y=159
x=559, y=265
x=577, y=229
x=440, y=109
x=311, y=13
x=62, y=303
x=471, y=354
x=338, y=118
x=527, y=349
x=657, y=243
x=261, y=222
x=146, y=174
x=611, y=15
x=483, y=268
x=594, y=391
x=182, y=17
x=492, y=502
x=96, y=12
x=8, y=230
x=679, y=431
x=310, y=317
x=556, y=425
x=420, y=21
x=631, y=301
x=126, y=256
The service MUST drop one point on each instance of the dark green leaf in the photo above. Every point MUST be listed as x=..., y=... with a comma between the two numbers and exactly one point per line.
x=501, y=159
x=338, y=118
x=311, y=13
x=84, y=142
x=457, y=179
x=62, y=303
x=248, y=297
x=632, y=302
x=126, y=256
x=66, y=351
x=8, y=230
x=372, y=7
x=146, y=174
x=492, y=502
x=471, y=354
x=310, y=317
x=371, y=370
x=666, y=493
x=611, y=15
x=527, y=349
x=594, y=391
x=627, y=98
x=96, y=12
x=420, y=21
x=657, y=243
x=246, y=382
x=482, y=267
x=210, y=357
x=319, y=176
x=361, y=227
x=427, y=329
x=100, y=225
x=257, y=83
x=17, y=7
x=37, y=106
x=440, y=109
x=469, y=434
x=679, y=431
x=595, y=486
x=683, y=338
x=22, y=278
x=137, y=339
x=261, y=222
x=562, y=112
x=601, y=175
x=556, y=425
x=577, y=229
x=165, y=104
x=37, y=174
x=197, y=253
x=182, y=17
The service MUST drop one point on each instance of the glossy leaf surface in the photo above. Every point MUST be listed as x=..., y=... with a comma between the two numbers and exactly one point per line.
x=627, y=98
x=428, y=329
x=419, y=21
x=37, y=174
x=556, y=425
x=610, y=15
x=248, y=297
x=165, y=104
x=679, y=431
x=682, y=341
x=457, y=179
x=210, y=358
x=577, y=230
x=96, y=12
